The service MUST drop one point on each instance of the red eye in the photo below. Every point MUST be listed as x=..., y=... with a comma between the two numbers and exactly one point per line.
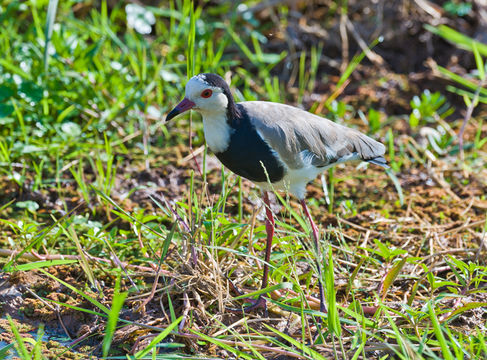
x=206, y=93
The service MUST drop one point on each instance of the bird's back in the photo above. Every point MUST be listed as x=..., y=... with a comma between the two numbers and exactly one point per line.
x=299, y=136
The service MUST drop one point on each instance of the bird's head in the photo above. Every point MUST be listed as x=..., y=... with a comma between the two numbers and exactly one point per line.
x=206, y=93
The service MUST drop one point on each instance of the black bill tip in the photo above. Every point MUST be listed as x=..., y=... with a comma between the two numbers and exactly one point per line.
x=183, y=106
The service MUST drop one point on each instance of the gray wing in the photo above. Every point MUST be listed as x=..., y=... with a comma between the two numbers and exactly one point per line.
x=299, y=136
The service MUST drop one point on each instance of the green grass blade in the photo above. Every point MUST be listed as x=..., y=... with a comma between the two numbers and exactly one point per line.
x=306, y=350
x=21, y=348
x=51, y=17
x=79, y=292
x=222, y=345
x=117, y=303
x=457, y=38
x=77, y=308
x=38, y=238
x=445, y=350
x=4, y=352
x=37, y=350
x=479, y=62
x=397, y=184
x=158, y=339
x=40, y=264
x=333, y=316
x=190, y=63
x=467, y=307
x=392, y=275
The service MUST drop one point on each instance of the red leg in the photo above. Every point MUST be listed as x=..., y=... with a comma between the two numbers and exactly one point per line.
x=269, y=227
x=316, y=240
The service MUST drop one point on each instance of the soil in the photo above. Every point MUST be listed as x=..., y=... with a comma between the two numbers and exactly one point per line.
x=443, y=211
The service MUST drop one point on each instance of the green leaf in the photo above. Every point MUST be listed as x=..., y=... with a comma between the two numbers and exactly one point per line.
x=14, y=69
x=458, y=39
x=397, y=185
x=231, y=349
x=117, y=303
x=439, y=334
x=311, y=354
x=158, y=339
x=4, y=352
x=140, y=18
x=5, y=92
x=77, y=308
x=30, y=205
x=479, y=62
x=333, y=316
x=41, y=264
x=31, y=91
x=50, y=18
x=457, y=8
x=392, y=275
x=71, y=129
x=29, y=149
x=6, y=110
x=361, y=319
x=21, y=348
x=79, y=292
x=469, y=306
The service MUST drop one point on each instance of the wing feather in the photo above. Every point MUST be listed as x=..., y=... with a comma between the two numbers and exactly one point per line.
x=292, y=132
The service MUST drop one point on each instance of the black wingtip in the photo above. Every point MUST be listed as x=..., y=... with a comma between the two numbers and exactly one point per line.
x=380, y=160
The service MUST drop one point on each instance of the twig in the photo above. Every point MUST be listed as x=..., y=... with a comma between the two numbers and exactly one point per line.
x=84, y=336
x=31, y=257
x=153, y=289
x=54, y=308
x=185, y=311
x=371, y=55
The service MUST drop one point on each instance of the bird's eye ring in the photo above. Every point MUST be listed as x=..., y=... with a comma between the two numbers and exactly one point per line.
x=206, y=93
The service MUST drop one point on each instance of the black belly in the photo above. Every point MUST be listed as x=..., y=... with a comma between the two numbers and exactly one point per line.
x=247, y=155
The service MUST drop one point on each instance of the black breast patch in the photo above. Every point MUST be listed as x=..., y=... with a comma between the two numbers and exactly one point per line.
x=248, y=154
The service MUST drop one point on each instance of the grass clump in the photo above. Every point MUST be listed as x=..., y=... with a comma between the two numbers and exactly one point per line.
x=120, y=235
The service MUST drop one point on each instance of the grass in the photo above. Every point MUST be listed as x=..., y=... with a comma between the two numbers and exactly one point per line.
x=104, y=209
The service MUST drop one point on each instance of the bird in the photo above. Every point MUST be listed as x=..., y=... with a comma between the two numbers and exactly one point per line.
x=274, y=145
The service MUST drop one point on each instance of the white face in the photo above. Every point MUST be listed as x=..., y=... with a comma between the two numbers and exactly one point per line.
x=208, y=99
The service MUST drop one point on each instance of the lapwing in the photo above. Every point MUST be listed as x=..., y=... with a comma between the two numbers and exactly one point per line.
x=276, y=146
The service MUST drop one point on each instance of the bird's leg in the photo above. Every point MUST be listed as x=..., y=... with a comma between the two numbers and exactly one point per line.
x=269, y=227
x=316, y=238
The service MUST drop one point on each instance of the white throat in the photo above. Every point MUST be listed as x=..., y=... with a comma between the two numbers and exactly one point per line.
x=213, y=109
x=217, y=131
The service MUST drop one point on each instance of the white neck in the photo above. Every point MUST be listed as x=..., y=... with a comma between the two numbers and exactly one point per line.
x=217, y=131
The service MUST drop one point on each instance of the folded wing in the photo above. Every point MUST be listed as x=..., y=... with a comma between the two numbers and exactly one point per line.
x=300, y=137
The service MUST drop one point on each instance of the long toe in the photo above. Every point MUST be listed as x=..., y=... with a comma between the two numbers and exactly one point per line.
x=260, y=303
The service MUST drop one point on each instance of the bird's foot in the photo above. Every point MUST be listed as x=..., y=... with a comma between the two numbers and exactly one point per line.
x=255, y=304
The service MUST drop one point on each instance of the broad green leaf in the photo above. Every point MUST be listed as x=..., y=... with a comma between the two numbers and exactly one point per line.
x=30, y=205
x=31, y=91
